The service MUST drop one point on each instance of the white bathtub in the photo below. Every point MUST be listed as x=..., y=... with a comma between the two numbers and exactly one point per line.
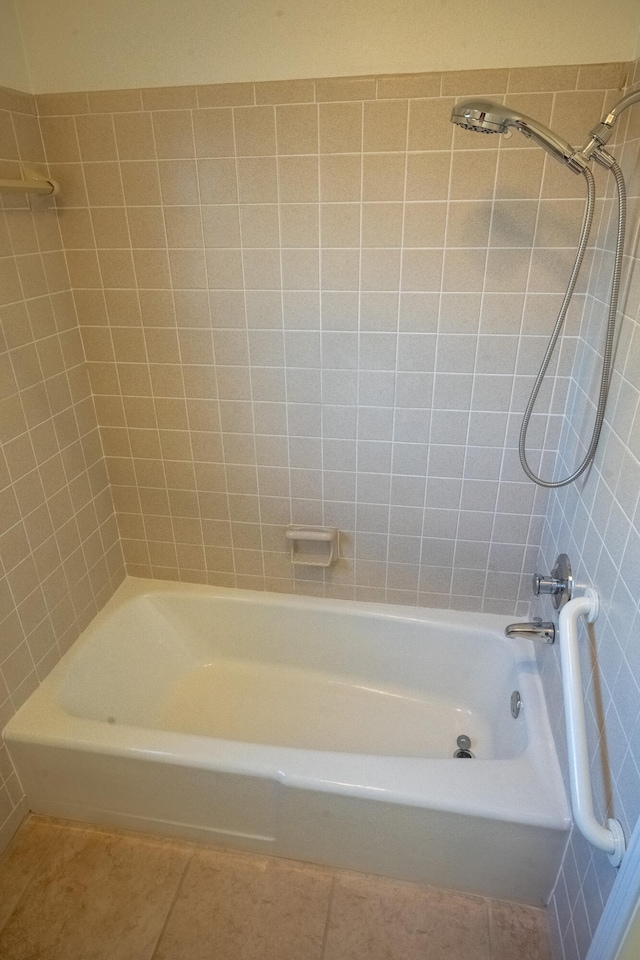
x=313, y=729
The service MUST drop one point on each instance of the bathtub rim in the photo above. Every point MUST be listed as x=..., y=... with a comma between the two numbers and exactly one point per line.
x=132, y=587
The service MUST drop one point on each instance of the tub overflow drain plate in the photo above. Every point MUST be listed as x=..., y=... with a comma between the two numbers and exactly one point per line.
x=516, y=704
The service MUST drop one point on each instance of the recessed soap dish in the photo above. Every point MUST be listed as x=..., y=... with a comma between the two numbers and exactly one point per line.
x=313, y=546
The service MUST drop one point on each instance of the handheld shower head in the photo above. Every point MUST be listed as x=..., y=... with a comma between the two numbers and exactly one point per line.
x=484, y=116
x=481, y=116
x=488, y=117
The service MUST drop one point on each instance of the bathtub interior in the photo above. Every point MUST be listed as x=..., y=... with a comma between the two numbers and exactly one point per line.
x=298, y=675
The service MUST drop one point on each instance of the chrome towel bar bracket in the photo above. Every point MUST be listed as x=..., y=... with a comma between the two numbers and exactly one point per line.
x=33, y=182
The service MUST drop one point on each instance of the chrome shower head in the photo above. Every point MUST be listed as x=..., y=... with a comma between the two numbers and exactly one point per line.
x=484, y=116
x=481, y=116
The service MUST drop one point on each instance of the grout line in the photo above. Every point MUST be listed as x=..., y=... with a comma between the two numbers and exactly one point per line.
x=174, y=901
x=358, y=355
x=282, y=327
x=144, y=340
x=492, y=945
x=327, y=923
x=180, y=364
x=437, y=342
x=249, y=360
x=178, y=328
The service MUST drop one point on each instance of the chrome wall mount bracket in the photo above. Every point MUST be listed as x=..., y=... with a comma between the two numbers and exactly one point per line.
x=559, y=584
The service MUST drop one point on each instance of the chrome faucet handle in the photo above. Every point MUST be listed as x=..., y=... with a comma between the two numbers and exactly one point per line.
x=558, y=585
x=552, y=585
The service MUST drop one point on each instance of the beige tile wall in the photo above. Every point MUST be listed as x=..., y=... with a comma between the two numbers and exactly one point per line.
x=597, y=522
x=60, y=557
x=306, y=302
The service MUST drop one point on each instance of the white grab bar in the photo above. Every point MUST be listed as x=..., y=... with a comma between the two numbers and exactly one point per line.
x=609, y=838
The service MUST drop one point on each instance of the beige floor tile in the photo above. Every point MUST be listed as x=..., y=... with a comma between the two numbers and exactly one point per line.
x=518, y=932
x=96, y=895
x=376, y=919
x=241, y=907
x=21, y=860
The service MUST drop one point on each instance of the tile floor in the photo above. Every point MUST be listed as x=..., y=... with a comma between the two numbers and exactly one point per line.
x=73, y=893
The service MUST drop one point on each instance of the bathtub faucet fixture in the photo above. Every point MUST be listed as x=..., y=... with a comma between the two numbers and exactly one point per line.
x=543, y=631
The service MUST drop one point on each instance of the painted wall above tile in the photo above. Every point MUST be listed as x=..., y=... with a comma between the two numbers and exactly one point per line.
x=75, y=45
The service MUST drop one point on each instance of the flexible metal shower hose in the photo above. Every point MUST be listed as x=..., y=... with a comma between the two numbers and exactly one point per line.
x=607, y=361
